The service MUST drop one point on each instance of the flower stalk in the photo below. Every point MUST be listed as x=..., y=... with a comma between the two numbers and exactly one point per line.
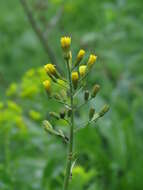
x=71, y=86
x=70, y=148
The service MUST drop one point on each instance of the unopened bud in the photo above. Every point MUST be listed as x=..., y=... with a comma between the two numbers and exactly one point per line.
x=86, y=95
x=91, y=60
x=95, y=90
x=57, y=96
x=47, y=125
x=65, y=42
x=51, y=70
x=91, y=113
x=104, y=110
x=54, y=115
x=62, y=114
x=82, y=70
x=75, y=78
x=47, y=85
x=80, y=56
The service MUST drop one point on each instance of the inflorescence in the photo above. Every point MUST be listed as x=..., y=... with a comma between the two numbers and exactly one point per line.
x=78, y=72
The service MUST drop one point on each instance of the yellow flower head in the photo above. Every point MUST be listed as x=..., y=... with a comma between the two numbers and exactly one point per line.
x=75, y=78
x=50, y=69
x=80, y=54
x=47, y=85
x=82, y=70
x=65, y=42
x=92, y=59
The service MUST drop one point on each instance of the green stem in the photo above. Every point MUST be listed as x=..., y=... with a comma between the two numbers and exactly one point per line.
x=70, y=148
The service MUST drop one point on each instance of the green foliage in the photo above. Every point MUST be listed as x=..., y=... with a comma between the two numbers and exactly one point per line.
x=110, y=152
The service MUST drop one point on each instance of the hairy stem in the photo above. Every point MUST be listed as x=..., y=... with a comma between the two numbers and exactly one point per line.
x=70, y=148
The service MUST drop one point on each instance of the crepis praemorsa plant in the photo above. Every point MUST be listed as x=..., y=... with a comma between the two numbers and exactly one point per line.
x=74, y=83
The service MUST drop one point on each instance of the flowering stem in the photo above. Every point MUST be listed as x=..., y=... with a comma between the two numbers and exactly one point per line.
x=84, y=103
x=60, y=102
x=82, y=126
x=70, y=148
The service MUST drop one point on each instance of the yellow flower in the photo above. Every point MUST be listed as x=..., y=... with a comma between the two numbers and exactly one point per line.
x=80, y=54
x=65, y=42
x=47, y=85
x=82, y=70
x=50, y=69
x=75, y=78
x=92, y=59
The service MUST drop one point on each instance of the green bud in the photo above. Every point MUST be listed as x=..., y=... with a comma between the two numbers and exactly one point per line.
x=62, y=114
x=47, y=126
x=91, y=113
x=57, y=96
x=54, y=115
x=104, y=110
x=49, y=129
x=86, y=95
x=95, y=90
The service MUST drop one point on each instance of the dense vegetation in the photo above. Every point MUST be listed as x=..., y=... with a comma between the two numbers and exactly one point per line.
x=110, y=151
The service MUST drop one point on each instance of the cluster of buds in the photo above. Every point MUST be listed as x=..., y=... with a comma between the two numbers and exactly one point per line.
x=77, y=72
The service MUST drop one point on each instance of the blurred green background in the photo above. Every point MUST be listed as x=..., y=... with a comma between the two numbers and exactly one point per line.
x=110, y=154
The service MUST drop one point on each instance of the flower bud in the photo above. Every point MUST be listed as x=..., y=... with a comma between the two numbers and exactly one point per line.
x=95, y=90
x=48, y=128
x=65, y=43
x=47, y=125
x=80, y=56
x=75, y=78
x=62, y=114
x=91, y=113
x=54, y=115
x=82, y=70
x=86, y=95
x=91, y=60
x=57, y=96
x=47, y=85
x=51, y=70
x=104, y=110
